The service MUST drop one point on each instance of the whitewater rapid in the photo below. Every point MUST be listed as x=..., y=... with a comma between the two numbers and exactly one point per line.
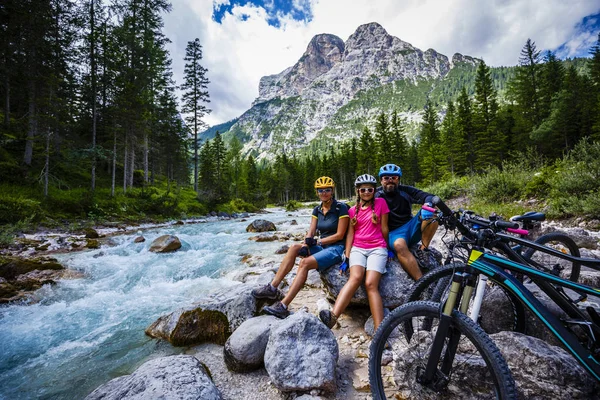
x=83, y=332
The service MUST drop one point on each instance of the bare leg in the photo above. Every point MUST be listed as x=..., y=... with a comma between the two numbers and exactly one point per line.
x=357, y=273
x=375, y=302
x=428, y=229
x=286, y=264
x=305, y=265
x=407, y=260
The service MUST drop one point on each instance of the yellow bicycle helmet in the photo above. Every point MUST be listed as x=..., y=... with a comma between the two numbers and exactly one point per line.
x=324, y=182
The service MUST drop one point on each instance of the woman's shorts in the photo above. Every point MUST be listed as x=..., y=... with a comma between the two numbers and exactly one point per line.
x=373, y=259
x=328, y=256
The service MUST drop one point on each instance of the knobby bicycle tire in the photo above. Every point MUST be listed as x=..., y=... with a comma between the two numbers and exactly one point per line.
x=435, y=285
x=558, y=241
x=478, y=369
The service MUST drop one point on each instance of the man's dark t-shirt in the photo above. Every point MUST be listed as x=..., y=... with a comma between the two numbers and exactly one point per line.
x=400, y=201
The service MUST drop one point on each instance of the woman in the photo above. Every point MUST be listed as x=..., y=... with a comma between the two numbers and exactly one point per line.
x=366, y=247
x=330, y=218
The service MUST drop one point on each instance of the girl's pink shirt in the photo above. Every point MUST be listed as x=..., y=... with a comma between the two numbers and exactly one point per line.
x=368, y=235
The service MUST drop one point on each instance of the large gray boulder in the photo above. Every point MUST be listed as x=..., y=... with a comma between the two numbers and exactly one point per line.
x=261, y=225
x=393, y=286
x=302, y=354
x=212, y=319
x=165, y=244
x=175, y=377
x=245, y=349
x=543, y=371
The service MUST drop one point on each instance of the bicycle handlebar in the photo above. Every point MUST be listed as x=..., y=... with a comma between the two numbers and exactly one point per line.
x=522, y=232
x=427, y=208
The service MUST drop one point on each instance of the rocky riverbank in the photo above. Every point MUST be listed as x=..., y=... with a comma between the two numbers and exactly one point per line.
x=350, y=377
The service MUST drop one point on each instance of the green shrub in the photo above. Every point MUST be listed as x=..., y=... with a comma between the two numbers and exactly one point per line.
x=575, y=183
x=448, y=189
x=15, y=209
x=236, y=206
x=293, y=205
x=502, y=185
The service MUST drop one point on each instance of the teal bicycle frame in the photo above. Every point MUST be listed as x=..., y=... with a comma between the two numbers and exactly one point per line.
x=495, y=268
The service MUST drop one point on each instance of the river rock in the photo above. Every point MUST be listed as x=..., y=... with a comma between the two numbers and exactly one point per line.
x=223, y=214
x=139, y=239
x=11, y=267
x=212, y=319
x=543, y=371
x=392, y=287
x=264, y=237
x=261, y=225
x=165, y=244
x=283, y=249
x=302, y=354
x=245, y=349
x=175, y=377
x=91, y=234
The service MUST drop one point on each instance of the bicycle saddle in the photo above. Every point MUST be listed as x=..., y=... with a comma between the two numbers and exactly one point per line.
x=529, y=216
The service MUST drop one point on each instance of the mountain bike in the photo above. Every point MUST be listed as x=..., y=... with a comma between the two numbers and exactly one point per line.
x=429, y=355
x=498, y=237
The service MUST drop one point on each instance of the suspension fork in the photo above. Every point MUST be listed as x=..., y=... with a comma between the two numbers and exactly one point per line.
x=432, y=376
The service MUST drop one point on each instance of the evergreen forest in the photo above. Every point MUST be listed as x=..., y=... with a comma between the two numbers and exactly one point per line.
x=91, y=128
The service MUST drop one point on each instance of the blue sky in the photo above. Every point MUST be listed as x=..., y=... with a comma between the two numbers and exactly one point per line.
x=276, y=10
x=244, y=40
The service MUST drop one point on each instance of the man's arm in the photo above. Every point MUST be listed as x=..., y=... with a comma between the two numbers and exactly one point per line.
x=416, y=195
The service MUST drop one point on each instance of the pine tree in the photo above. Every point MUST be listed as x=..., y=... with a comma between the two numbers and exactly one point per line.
x=399, y=144
x=431, y=158
x=524, y=88
x=365, y=163
x=195, y=95
x=466, y=129
x=452, y=143
x=551, y=78
x=594, y=72
x=489, y=141
x=384, y=153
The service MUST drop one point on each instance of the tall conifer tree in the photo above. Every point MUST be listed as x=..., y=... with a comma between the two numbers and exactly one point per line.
x=195, y=95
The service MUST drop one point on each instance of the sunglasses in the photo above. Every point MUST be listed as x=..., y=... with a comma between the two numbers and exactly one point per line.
x=366, y=190
x=389, y=178
x=328, y=190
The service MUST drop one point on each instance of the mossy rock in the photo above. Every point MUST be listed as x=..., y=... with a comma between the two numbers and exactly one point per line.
x=91, y=233
x=11, y=267
x=189, y=327
x=92, y=244
x=7, y=291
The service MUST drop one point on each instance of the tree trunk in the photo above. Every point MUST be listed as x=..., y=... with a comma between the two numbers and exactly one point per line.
x=131, y=164
x=47, y=164
x=6, y=101
x=125, y=161
x=32, y=130
x=114, y=164
x=146, y=157
x=93, y=72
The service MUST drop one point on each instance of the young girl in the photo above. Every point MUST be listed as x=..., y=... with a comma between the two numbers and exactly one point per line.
x=366, y=247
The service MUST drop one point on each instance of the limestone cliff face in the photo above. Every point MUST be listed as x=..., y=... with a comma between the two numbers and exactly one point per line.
x=294, y=106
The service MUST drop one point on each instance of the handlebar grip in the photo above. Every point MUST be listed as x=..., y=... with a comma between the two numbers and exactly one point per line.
x=522, y=232
x=506, y=224
x=436, y=201
x=427, y=208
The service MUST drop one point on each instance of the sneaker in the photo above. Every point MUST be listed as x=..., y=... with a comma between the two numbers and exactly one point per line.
x=328, y=318
x=423, y=257
x=277, y=310
x=266, y=292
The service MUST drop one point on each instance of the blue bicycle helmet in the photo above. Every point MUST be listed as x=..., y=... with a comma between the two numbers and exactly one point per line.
x=390, y=170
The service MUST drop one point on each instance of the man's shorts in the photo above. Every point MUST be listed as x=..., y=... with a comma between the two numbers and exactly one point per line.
x=328, y=256
x=373, y=259
x=410, y=232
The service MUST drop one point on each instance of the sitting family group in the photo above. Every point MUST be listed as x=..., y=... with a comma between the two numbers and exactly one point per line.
x=359, y=237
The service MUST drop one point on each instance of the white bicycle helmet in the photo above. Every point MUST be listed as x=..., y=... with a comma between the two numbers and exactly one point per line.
x=365, y=179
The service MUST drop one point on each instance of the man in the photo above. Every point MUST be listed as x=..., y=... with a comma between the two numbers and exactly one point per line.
x=406, y=230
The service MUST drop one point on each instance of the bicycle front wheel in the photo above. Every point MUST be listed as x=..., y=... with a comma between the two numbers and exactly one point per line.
x=476, y=371
x=563, y=243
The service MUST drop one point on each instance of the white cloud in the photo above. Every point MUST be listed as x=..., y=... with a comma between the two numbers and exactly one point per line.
x=244, y=47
